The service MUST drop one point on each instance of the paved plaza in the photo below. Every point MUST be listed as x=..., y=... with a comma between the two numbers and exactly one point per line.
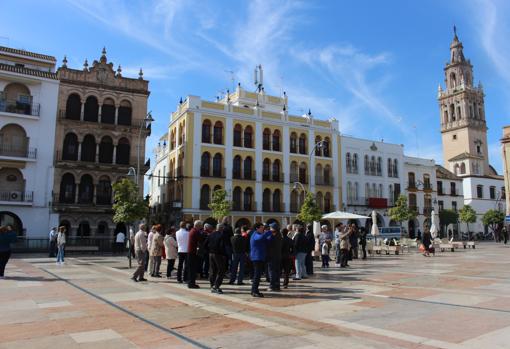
x=452, y=300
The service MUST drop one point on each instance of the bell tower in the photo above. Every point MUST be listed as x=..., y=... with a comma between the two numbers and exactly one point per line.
x=462, y=115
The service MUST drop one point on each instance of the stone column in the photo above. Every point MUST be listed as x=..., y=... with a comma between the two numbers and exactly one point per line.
x=116, y=115
x=79, y=151
x=99, y=113
x=114, y=159
x=97, y=152
x=82, y=111
x=77, y=192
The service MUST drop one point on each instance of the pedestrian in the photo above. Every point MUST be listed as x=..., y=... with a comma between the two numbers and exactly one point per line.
x=419, y=235
x=274, y=258
x=427, y=243
x=140, y=246
x=120, y=241
x=195, y=238
x=7, y=237
x=325, y=254
x=182, y=237
x=353, y=241
x=156, y=251
x=300, y=249
x=215, y=245
x=258, y=254
x=52, y=242
x=148, y=260
x=338, y=252
x=310, y=240
x=61, y=244
x=240, y=248
x=505, y=235
x=345, y=246
x=287, y=253
x=203, y=252
x=228, y=233
x=363, y=242
x=170, y=251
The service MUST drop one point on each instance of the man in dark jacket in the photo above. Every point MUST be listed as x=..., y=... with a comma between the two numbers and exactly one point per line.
x=258, y=254
x=228, y=232
x=300, y=249
x=287, y=253
x=310, y=240
x=215, y=244
x=240, y=249
x=195, y=238
x=363, y=241
x=274, y=258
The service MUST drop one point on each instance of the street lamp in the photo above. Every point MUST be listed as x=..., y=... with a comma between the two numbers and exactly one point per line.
x=318, y=145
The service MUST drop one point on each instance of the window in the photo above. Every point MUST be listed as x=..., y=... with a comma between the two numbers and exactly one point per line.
x=266, y=200
x=248, y=132
x=236, y=168
x=293, y=142
x=462, y=168
x=492, y=193
x=236, y=199
x=348, y=165
x=86, y=190
x=218, y=165
x=318, y=151
x=276, y=140
x=454, y=137
x=302, y=144
x=439, y=188
x=325, y=148
x=454, y=206
x=123, y=152
x=390, y=168
x=238, y=130
x=248, y=168
x=440, y=204
x=206, y=131
x=88, y=149
x=248, y=199
x=395, y=168
x=266, y=166
x=73, y=107
x=367, y=165
x=70, y=149
x=276, y=171
x=106, y=150
x=277, y=201
x=426, y=182
x=108, y=112
x=294, y=172
x=411, y=180
x=205, y=164
x=379, y=166
x=205, y=197
x=327, y=175
x=503, y=193
x=453, y=189
x=479, y=191
x=218, y=133
x=266, y=139
x=355, y=163
x=302, y=173
x=478, y=149
x=125, y=112
x=91, y=109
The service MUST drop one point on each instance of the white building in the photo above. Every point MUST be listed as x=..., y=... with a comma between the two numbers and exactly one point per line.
x=372, y=176
x=28, y=108
x=450, y=193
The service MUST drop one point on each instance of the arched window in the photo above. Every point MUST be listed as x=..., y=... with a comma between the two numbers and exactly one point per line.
x=125, y=113
x=238, y=132
x=411, y=180
x=218, y=165
x=266, y=200
x=172, y=140
x=452, y=112
x=348, y=164
x=303, y=177
x=294, y=197
x=73, y=107
x=88, y=149
x=205, y=197
x=395, y=168
x=237, y=199
x=102, y=228
x=236, y=167
x=91, y=109
x=86, y=190
x=319, y=201
x=391, y=195
x=67, y=189
x=302, y=144
x=293, y=142
x=325, y=147
x=367, y=165
x=248, y=133
x=319, y=180
x=248, y=162
x=327, y=175
x=463, y=168
x=294, y=175
x=205, y=165
x=380, y=191
x=108, y=111
x=206, y=131
x=453, y=78
x=276, y=171
x=218, y=132
x=456, y=169
x=13, y=141
x=379, y=166
x=123, y=152
x=276, y=140
x=445, y=115
x=372, y=166
x=104, y=191
x=356, y=191
x=412, y=201
x=83, y=229
x=266, y=139
x=355, y=163
x=328, y=207
x=318, y=150
x=70, y=148
x=426, y=182
x=106, y=150
x=266, y=168
x=248, y=200
x=349, y=193
x=277, y=199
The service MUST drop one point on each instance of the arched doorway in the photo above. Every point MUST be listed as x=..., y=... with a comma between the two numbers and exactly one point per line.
x=413, y=226
x=9, y=218
x=83, y=229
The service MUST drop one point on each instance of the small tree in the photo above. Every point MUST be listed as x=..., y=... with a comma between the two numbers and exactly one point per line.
x=467, y=215
x=401, y=212
x=309, y=212
x=219, y=205
x=447, y=217
x=494, y=219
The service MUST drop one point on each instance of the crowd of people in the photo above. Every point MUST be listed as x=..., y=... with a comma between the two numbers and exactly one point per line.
x=220, y=252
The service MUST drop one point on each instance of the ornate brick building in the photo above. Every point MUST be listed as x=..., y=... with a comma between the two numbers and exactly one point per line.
x=100, y=134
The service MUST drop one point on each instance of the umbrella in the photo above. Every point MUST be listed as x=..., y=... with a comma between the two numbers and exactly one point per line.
x=375, y=228
x=343, y=215
x=433, y=225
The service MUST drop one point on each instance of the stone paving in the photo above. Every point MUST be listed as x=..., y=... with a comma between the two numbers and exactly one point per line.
x=452, y=300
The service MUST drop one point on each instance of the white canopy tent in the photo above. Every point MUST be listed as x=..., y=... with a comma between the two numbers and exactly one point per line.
x=340, y=215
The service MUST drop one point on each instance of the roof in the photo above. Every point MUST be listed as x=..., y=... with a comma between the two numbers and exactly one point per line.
x=465, y=155
x=27, y=53
x=27, y=71
x=443, y=173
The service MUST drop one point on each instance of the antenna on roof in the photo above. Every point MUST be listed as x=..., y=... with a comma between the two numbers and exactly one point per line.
x=259, y=78
x=232, y=78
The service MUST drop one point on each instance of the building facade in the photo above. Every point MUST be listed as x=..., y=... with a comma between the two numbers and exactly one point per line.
x=100, y=134
x=372, y=177
x=464, y=136
x=248, y=144
x=505, y=141
x=450, y=194
x=28, y=107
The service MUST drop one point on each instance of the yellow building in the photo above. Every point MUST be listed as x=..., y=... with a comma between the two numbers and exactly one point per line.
x=247, y=144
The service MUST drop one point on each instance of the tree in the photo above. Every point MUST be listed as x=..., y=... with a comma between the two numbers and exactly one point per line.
x=402, y=212
x=219, y=205
x=309, y=212
x=128, y=205
x=447, y=217
x=494, y=219
x=467, y=215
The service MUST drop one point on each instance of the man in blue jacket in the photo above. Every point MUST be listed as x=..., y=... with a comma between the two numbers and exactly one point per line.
x=258, y=255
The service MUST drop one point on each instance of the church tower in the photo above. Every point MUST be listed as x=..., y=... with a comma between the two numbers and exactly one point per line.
x=462, y=113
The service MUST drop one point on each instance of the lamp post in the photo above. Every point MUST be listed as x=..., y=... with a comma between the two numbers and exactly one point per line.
x=318, y=145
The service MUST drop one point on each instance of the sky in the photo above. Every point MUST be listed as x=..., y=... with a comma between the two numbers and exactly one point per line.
x=373, y=65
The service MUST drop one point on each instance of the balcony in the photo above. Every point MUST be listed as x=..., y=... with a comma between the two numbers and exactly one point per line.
x=69, y=198
x=17, y=151
x=17, y=107
x=321, y=180
x=427, y=187
x=294, y=177
x=244, y=175
x=246, y=206
x=14, y=196
x=412, y=186
x=370, y=202
x=275, y=177
x=216, y=172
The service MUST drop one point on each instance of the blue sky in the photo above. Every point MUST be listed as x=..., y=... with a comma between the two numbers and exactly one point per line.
x=374, y=65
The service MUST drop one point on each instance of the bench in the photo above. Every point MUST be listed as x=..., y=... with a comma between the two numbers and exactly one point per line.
x=82, y=249
x=470, y=244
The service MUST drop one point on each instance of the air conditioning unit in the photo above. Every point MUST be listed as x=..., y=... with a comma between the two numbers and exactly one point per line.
x=16, y=196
